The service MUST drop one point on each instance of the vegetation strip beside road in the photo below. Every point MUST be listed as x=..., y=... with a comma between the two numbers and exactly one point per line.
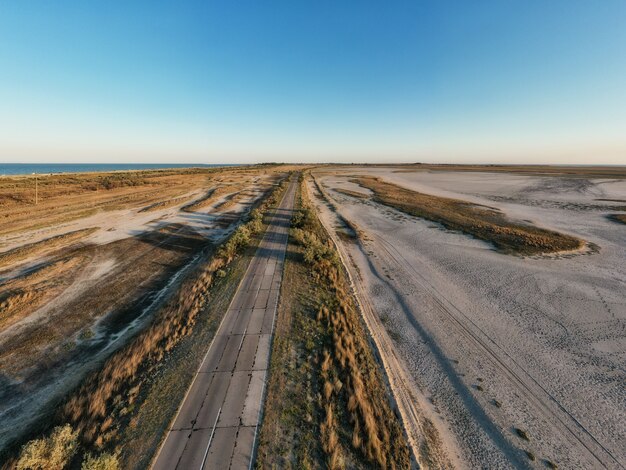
x=120, y=412
x=481, y=222
x=349, y=192
x=327, y=403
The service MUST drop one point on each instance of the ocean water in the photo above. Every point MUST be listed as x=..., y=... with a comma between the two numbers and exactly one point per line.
x=46, y=168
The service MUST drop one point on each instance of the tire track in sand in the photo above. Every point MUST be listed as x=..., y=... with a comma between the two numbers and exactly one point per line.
x=543, y=401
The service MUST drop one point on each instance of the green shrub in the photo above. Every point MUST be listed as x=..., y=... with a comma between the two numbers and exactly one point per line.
x=256, y=221
x=240, y=238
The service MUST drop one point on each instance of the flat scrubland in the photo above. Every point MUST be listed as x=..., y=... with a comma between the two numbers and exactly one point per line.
x=67, y=197
x=91, y=313
x=327, y=402
x=63, y=198
x=518, y=362
x=427, y=339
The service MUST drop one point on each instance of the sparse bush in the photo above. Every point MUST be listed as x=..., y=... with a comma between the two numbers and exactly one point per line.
x=240, y=238
x=618, y=218
x=523, y=434
x=49, y=453
x=103, y=461
x=303, y=217
x=376, y=433
x=256, y=221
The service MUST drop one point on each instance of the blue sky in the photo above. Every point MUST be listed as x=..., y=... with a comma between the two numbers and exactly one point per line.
x=247, y=81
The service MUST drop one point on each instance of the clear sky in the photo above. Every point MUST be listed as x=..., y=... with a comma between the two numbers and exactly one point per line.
x=327, y=80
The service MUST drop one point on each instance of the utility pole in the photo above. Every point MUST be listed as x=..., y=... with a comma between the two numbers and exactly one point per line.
x=36, y=190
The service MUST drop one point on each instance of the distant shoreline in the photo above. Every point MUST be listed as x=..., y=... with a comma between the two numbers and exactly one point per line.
x=24, y=169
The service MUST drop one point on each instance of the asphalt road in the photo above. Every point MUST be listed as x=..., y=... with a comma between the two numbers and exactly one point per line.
x=216, y=425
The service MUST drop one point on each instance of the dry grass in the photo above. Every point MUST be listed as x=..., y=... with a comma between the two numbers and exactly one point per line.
x=44, y=246
x=101, y=294
x=349, y=192
x=21, y=296
x=535, y=170
x=164, y=204
x=376, y=432
x=69, y=197
x=103, y=402
x=479, y=221
x=59, y=451
x=50, y=453
x=236, y=198
x=64, y=198
x=208, y=199
x=88, y=409
x=353, y=415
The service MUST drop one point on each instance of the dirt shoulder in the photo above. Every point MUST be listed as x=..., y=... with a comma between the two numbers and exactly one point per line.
x=328, y=404
x=431, y=448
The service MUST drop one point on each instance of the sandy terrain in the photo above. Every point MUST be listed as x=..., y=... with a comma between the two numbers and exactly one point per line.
x=494, y=343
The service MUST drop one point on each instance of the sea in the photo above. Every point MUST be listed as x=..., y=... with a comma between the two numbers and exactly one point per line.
x=7, y=169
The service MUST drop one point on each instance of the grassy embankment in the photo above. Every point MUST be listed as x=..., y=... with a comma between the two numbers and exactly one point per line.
x=481, y=222
x=327, y=403
x=120, y=412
